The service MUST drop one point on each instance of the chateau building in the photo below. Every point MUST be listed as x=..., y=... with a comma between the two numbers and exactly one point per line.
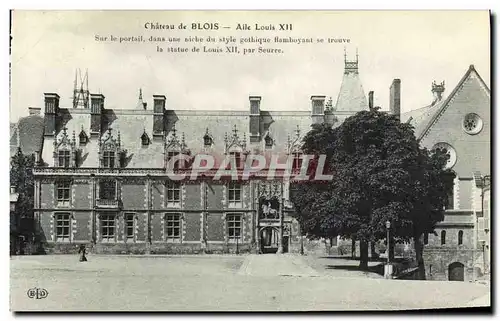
x=103, y=174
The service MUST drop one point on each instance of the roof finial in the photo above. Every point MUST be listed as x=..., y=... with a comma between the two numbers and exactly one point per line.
x=140, y=94
x=183, y=141
x=357, y=54
x=345, y=54
x=297, y=131
x=174, y=131
x=235, y=131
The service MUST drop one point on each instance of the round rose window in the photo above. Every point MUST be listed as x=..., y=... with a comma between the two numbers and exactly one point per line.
x=472, y=124
x=450, y=151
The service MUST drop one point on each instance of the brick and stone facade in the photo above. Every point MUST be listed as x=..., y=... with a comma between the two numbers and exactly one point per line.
x=103, y=174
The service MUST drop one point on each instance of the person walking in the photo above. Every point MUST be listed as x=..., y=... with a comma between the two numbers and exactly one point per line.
x=82, y=252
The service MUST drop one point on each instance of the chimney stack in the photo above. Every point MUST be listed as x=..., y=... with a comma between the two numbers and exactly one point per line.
x=12, y=189
x=159, y=103
x=34, y=110
x=437, y=91
x=96, y=108
x=51, y=111
x=254, y=126
x=318, y=109
x=370, y=100
x=37, y=158
x=395, y=98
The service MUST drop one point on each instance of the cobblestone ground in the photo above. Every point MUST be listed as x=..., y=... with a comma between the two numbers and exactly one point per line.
x=219, y=283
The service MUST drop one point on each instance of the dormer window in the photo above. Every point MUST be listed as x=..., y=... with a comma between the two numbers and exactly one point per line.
x=171, y=158
x=145, y=139
x=64, y=150
x=109, y=159
x=64, y=158
x=297, y=161
x=207, y=139
x=110, y=151
x=236, y=158
x=235, y=148
x=174, y=147
x=83, y=138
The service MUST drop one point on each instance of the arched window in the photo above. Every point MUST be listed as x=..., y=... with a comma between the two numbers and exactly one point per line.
x=443, y=237
x=460, y=237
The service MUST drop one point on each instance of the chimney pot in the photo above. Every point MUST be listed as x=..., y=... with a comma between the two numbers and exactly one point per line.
x=34, y=110
x=12, y=189
x=370, y=100
x=255, y=105
x=318, y=105
x=395, y=98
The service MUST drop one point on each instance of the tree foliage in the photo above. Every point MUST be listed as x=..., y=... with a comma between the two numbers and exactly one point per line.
x=21, y=177
x=380, y=173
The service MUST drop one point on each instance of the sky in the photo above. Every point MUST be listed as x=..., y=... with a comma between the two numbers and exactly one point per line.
x=417, y=47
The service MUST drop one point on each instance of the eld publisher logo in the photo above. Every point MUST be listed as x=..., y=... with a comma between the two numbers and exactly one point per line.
x=37, y=293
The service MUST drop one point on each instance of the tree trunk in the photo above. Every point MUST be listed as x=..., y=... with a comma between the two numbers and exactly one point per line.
x=392, y=245
x=363, y=249
x=372, y=250
x=419, y=249
x=353, y=249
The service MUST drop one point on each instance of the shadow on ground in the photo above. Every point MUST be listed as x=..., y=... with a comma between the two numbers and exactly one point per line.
x=378, y=269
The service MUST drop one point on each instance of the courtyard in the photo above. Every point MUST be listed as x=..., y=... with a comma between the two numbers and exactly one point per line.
x=222, y=283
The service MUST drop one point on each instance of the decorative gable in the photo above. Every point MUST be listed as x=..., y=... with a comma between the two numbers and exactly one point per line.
x=65, y=150
x=173, y=147
x=463, y=121
x=233, y=142
x=110, y=151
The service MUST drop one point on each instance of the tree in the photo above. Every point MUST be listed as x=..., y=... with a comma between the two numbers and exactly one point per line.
x=380, y=174
x=21, y=177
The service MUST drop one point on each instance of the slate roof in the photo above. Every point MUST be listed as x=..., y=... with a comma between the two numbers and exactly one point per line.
x=423, y=118
x=419, y=117
x=351, y=96
x=13, y=139
x=190, y=126
x=27, y=133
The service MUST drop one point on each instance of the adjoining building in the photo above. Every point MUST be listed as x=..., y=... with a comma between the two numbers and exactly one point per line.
x=460, y=124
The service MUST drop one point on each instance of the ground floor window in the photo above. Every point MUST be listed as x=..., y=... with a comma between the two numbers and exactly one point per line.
x=108, y=227
x=63, y=226
x=130, y=225
x=173, y=226
x=234, y=227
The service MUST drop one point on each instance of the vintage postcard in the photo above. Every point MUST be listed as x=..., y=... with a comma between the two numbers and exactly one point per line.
x=250, y=160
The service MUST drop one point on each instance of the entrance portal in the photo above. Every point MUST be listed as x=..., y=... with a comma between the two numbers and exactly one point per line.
x=456, y=271
x=269, y=240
